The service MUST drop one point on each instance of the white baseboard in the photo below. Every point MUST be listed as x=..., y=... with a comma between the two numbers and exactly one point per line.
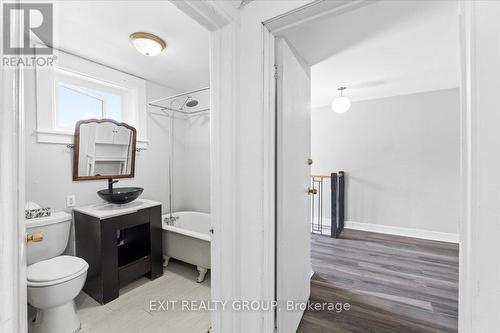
x=407, y=232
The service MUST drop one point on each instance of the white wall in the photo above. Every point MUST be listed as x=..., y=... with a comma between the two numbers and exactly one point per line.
x=401, y=156
x=196, y=189
x=192, y=157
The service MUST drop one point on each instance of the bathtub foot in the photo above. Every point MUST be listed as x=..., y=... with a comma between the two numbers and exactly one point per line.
x=166, y=259
x=201, y=273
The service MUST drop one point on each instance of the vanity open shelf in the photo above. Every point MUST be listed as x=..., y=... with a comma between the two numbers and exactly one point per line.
x=131, y=253
x=121, y=243
x=134, y=252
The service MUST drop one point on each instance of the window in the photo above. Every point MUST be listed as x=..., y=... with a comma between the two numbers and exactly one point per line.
x=76, y=89
x=76, y=103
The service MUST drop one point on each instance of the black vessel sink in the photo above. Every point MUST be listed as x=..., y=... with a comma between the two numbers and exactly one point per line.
x=120, y=195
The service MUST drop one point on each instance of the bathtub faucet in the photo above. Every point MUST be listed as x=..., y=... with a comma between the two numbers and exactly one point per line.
x=171, y=220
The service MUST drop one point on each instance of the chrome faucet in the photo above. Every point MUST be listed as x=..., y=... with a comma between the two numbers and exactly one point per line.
x=171, y=220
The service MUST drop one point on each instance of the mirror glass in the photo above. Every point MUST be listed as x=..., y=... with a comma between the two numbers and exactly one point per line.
x=104, y=149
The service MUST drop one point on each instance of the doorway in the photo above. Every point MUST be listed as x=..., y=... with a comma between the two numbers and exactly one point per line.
x=365, y=233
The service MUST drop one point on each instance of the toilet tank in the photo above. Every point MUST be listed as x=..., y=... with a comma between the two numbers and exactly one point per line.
x=55, y=229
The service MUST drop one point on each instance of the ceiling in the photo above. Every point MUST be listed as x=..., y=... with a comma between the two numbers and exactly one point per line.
x=99, y=31
x=386, y=48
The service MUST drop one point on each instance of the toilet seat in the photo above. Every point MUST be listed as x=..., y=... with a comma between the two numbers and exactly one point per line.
x=55, y=271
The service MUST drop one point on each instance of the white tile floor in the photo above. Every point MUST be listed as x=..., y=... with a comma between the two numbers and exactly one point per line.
x=131, y=313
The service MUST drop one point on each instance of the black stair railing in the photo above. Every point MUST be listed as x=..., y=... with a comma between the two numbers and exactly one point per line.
x=337, y=190
x=317, y=204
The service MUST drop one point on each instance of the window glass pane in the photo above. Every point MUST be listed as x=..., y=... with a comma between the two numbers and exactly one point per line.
x=113, y=105
x=113, y=108
x=73, y=105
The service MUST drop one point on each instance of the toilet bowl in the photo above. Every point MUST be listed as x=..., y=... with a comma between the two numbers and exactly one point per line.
x=53, y=280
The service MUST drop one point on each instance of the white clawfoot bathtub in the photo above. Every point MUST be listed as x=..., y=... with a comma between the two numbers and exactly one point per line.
x=188, y=240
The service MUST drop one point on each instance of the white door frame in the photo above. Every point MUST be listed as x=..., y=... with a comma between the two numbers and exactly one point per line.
x=13, y=300
x=466, y=45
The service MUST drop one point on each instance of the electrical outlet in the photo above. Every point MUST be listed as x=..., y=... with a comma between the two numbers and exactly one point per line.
x=70, y=200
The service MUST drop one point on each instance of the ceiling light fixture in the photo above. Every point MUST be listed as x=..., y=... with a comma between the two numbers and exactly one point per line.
x=341, y=104
x=147, y=44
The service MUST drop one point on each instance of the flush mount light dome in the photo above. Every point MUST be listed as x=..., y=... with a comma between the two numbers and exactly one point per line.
x=147, y=44
x=341, y=104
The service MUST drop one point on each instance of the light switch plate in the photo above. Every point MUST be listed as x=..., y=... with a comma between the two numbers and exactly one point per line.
x=70, y=200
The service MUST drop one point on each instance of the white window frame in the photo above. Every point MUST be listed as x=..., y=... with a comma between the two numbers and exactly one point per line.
x=74, y=72
x=84, y=86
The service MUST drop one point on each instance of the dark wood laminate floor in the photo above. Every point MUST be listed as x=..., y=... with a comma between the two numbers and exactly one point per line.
x=393, y=284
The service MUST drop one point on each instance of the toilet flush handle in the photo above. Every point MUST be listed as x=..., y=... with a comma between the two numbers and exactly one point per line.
x=35, y=237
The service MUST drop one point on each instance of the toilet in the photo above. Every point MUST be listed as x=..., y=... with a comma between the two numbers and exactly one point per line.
x=53, y=280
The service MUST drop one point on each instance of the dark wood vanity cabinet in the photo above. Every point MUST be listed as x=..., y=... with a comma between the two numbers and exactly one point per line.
x=118, y=249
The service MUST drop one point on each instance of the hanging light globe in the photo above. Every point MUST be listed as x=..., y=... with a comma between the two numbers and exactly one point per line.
x=341, y=104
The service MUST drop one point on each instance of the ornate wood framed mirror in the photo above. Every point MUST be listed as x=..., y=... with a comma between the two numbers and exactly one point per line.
x=104, y=149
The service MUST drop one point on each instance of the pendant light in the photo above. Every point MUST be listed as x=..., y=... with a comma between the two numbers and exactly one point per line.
x=147, y=44
x=341, y=104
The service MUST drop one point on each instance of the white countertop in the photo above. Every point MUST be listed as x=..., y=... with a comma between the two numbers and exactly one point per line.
x=106, y=210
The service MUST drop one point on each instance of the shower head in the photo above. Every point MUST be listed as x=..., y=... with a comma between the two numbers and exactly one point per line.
x=191, y=102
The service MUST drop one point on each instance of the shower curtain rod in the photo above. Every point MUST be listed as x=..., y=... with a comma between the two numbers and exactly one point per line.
x=178, y=95
x=163, y=108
